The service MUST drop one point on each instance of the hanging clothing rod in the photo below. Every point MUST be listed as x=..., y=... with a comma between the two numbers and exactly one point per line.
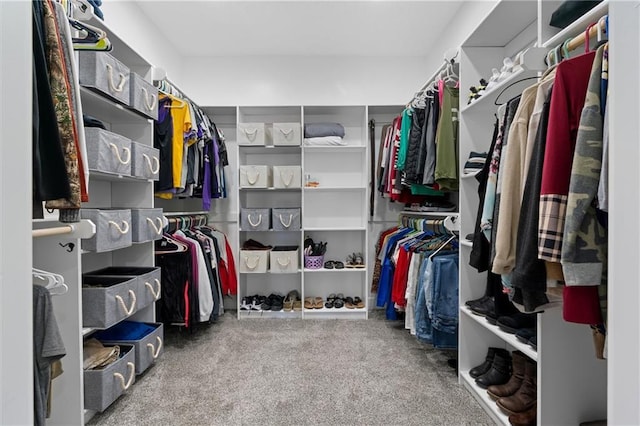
x=580, y=39
x=169, y=214
x=446, y=63
x=58, y=230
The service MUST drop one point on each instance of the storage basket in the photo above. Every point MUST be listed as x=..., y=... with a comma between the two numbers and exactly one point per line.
x=313, y=262
x=285, y=219
x=255, y=219
x=143, y=96
x=103, y=72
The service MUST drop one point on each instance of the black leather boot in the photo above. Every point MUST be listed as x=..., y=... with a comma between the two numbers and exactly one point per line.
x=500, y=370
x=479, y=370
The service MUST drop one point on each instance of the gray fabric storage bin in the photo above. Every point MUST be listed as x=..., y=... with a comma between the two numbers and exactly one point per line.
x=285, y=219
x=146, y=225
x=103, y=72
x=113, y=229
x=102, y=387
x=254, y=219
x=149, y=288
x=145, y=161
x=108, y=152
x=147, y=349
x=143, y=96
x=108, y=300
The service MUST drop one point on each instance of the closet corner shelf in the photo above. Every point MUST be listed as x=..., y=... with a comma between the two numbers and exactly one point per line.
x=93, y=103
x=470, y=175
x=579, y=25
x=483, y=399
x=510, y=339
x=334, y=188
x=487, y=100
x=94, y=174
x=345, y=269
x=466, y=243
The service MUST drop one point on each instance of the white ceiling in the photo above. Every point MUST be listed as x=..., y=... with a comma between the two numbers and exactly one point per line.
x=306, y=27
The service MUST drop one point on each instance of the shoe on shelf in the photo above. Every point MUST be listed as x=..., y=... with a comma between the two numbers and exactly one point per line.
x=506, y=70
x=479, y=370
x=484, y=308
x=533, y=342
x=526, y=395
x=481, y=300
x=493, y=80
x=524, y=334
x=518, y=360
x=358, y=303
x=529, y=417
x=513, y=323
x=500, y=370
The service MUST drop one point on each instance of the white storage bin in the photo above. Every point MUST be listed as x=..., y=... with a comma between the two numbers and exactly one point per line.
x=251, y=134
x=286, y=134
x=287, y=177
x=108, y=152
x=113, y=229
x=285, y=219
x=255, y=219
x=254, y=261
x=146, y=161
x=102, y=387
x=146, y=225
x=103, y=72
x=255, y=177
x=143, y=96
x=284, y=259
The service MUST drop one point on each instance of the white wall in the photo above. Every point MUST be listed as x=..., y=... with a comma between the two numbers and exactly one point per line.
x=127, y=20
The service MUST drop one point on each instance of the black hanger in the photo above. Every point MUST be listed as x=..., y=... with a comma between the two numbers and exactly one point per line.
x=513, y=84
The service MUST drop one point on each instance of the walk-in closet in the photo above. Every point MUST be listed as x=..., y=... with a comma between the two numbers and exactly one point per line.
x=309, y=212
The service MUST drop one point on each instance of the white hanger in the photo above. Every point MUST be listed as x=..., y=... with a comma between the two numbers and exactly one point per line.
x=52, y=282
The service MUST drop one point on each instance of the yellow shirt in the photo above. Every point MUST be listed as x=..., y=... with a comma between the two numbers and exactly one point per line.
x=181, y=124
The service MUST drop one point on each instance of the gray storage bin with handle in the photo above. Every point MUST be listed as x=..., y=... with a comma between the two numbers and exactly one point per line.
x=149, y=287
x=108, y=152
x=146, y=161
x=103, y=72
x=113, y=229
x=146, y=225
x=147, y=349
x=103, y=386
x=254, y=219
x=143, y=96
x=285, y=219
x=108, y=300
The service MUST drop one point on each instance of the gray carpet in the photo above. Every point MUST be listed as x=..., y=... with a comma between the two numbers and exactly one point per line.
x=294, y=372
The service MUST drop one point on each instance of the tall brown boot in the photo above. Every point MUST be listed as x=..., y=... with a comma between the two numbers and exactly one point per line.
x=526, y=418
x=518, y=360
x=526, y=396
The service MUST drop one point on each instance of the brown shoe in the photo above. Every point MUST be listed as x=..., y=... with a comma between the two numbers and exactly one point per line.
x=518, y=360
x=526, y=395
x=526, y=418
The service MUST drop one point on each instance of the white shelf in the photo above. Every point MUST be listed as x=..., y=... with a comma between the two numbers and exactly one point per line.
x=342, y=310
x=111, y=177
x=483, y=399
x=326, y=228
x=334, y=188
x=345, y=269
x=506, y=337
x=488, y=98
x=270, y=189
x=432, y=214
x=271, y=272
x=466, y=243
x=270, y=314
x=345, y=148
x=269, y=230
x=470, y=175
x=106, y=109
x=270, y=149
x=578, y=26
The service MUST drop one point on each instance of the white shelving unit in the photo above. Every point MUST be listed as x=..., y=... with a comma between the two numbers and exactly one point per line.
x=564, y=350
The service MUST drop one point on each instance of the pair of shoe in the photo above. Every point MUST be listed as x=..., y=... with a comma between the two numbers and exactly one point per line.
x=274, y=302
x=510, y=323
x=495, y=370
x=335, y=301
x=355, y=260
x=292, y=301
x=518, y=397
x=528, y=336
x=333, y=264
x=313, y=303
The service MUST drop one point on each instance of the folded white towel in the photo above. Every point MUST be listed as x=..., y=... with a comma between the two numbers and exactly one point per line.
x=325, y=140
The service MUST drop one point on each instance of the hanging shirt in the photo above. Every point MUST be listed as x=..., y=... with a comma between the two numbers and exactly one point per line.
x=407, y=117
x=446, y=171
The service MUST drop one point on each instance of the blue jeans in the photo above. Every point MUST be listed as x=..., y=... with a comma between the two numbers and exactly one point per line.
x=445, y=293
x=424, y=330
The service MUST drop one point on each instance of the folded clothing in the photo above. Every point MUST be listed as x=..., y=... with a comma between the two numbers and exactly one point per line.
x=96, y=356
x=475, y=162
x=325, y=140
x=90, y=121
x=125, y=330
x=254, y=245
x=317, y=130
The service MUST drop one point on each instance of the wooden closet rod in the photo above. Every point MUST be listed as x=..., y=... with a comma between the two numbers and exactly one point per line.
x=47, y=232
x=579, y=40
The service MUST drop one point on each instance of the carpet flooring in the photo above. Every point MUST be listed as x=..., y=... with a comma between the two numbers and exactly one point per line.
x=294, y=372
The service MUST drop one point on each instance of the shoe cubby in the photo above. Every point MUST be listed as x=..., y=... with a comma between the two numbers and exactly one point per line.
x=320, y=285
x=334, y=209
x=265, y=285
x=337, y=168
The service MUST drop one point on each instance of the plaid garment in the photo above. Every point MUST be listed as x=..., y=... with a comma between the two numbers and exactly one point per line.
x=553, y=208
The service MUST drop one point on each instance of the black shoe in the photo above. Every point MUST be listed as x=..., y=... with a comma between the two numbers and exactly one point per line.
x=513, y=323
x=500, y=370
x=524, y=334
x=476, y=302
x=479, y=370
x=484, y=308
x=533, y=342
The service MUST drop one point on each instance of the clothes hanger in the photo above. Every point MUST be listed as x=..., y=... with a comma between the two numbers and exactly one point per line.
x=511, y=85
x=52, y=282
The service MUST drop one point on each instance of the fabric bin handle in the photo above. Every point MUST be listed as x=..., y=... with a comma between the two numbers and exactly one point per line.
x=286, y=180
x=123, y=79
x=157, y=229
x=126, y=310
x=132, y=369
x=121, y=229
x=288, y=224
x=284, y=264
x=256, y=176
x=150, y=105
x=287, y=133
x=155, y=352
x=251, y=134
x=155, y=168
x=256, y=260
x=255, y=225
x=126, y=150
x=154, y=292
